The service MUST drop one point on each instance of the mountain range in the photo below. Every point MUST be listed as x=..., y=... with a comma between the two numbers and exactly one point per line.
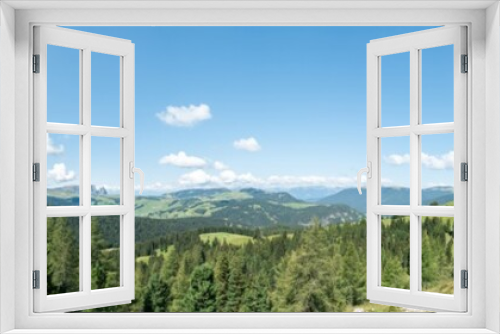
x=244, y=207
x=251, y=207
x=389, y=196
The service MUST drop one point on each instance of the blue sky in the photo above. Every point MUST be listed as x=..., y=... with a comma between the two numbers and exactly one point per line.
x=250, y=106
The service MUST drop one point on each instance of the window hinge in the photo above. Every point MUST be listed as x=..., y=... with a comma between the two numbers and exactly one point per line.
x=465, y=64
x=36, y=279
x=464, y=172
x=464, y=279
x=36, y=63
x=36, y=172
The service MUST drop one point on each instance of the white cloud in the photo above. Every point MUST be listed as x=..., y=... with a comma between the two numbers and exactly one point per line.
x=441, y=162
x=224, y=178
x=229, y=178
x=444, y=161
x=53, y=149
x=197, y=177
x=398, y=159
x=185, y=116
x=59, y=173
x=249, y=179
x=220, y=165
x=183, y=160
x=248, y=144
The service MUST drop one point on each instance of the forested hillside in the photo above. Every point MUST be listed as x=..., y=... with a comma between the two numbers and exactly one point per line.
x=318, y=268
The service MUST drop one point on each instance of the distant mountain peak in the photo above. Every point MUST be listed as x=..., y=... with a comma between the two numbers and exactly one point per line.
x=98, y=191
x=75, y=190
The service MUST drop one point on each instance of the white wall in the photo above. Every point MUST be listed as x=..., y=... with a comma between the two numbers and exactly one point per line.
x=492, y=163
x=7, y=160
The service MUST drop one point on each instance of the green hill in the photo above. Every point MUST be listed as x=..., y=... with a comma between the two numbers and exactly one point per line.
x=246, y=207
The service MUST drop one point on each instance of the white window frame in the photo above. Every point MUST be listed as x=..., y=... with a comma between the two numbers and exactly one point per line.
x=86, y=44
x=483, y=101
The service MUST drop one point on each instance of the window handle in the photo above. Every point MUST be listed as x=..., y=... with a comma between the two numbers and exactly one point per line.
x=133, y=170
x=368, y=171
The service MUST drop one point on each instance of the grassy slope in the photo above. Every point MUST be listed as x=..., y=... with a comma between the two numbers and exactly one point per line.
x=159, y=252
x=271, y=237
x=229, y=238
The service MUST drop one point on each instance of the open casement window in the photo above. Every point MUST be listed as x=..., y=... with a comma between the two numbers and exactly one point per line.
x=63, y=231
x=415, y=125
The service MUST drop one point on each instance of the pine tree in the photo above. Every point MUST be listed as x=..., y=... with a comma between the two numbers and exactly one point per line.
x=449, y=259
x=140, y=287
x=236, y=284
x=146, y=300
x=393, y=274
x=197, y=255
x=99, y=270
x=306, y=279
x=180, y=286
x=354, y=275
x=62, y=256
x=222, y=281
x=156, y=297
x=257, y=234
x=256, y=298
x=430, y=265
x=201, y=296
x=170, y=265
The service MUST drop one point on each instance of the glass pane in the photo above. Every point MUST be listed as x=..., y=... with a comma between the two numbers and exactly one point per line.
x=63, y=255
x=63, y=85
x=437, y=254
x=437, y=84
x=395, y=170
x=395, y=89
x=105, y=171
x=105, y=256
x=395, y=252
x=63, y=170
x=105, y=90
x=437, y=160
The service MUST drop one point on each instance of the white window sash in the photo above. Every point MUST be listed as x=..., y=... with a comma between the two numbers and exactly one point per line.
x=85, y=298
x=413, y=43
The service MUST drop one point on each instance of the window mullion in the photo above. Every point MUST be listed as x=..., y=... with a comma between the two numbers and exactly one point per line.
x=86, y=138
x=414, y=170
x=86, y=273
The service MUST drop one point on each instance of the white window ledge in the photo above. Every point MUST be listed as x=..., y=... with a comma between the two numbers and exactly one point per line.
x=251, y=331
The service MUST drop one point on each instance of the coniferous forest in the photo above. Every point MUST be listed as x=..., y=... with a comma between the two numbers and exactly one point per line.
x=317, y=268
